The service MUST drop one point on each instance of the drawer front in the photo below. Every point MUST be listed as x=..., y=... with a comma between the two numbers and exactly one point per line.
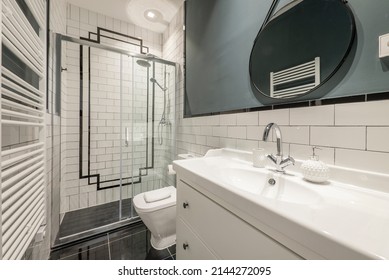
x=189, y=246
x=228, y=236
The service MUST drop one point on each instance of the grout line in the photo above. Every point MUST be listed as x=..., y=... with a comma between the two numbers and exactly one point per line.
x=109, y=247
x=169, y=251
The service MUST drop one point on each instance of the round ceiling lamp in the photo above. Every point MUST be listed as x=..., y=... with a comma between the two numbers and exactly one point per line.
x=152, y=14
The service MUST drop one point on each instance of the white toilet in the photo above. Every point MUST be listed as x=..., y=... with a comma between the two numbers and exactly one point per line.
x=157, y=209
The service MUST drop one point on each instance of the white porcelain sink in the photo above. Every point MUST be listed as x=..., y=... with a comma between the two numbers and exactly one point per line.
x=269, y=185
x=333, y=220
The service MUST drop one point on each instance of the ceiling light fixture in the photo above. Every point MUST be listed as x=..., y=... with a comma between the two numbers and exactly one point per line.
x=154, y=15
x=150, y=14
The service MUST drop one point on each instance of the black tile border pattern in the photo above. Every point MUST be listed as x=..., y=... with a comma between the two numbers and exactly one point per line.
x=143, y=171
x=309, y=103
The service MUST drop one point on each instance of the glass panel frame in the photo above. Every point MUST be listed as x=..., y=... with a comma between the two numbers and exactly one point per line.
x=125, y=128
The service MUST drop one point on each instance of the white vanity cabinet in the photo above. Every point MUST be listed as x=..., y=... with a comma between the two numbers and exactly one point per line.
x=206, y=230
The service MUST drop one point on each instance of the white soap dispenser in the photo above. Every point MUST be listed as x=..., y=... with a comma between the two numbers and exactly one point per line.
x=315, y=170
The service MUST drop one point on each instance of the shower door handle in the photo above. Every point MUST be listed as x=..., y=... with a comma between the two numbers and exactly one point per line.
x=127, y=137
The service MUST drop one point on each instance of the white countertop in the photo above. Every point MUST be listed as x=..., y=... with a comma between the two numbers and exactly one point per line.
x=330, y=221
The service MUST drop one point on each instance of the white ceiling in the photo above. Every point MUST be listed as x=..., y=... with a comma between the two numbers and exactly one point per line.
x=133, y=10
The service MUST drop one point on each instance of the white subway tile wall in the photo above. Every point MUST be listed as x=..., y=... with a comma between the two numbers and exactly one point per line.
x=280, y=117
x=378, y=139
x=320, y=115
x=373, y=113
x=105, y=114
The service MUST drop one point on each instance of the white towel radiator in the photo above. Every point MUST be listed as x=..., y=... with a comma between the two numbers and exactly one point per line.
x=23, y=108
x=306, y=76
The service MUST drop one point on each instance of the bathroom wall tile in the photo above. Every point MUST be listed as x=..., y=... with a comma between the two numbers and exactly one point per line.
x=187, y=138
x=138, y=32
x=74, y=202
x=256, y=133
x=213, y=141
x=228, y=143
x=209, y=120
x=131, y=29
x=84, y=15
x=116, y=25
x=101, y=20
x=201, y=139
x=228, y=119
x=269, y=146
x=109, y=23
x=70, y=191
x=92, y=20
x=294, y=134
x=378, y=139
x=220, y=131
x=83, y=200
x=196, y=149
x=280, y=117
x=74, y=24
x=74, y=12
x=73, y=31
x=304, y=152
x=238, y=132
x=123, y=27
x=342, y=137
x=64, y=204
x=206, y=130
x=250, y=118
x=182, y=147
x=365, y=160
x=116, y=194
x=108, y=195
x=205, y=149
x=196, y=130
x=364, y=113
x=212, y=120
x=246, y=145
x=101, y=197
x=318, y=115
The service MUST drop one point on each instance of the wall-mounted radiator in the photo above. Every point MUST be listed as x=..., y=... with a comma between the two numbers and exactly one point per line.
x=296, y=80
x=23, y=97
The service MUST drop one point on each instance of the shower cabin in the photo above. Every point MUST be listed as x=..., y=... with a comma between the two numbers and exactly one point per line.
x=115, y=132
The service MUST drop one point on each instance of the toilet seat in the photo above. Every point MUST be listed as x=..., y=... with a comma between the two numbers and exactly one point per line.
x=143, y=206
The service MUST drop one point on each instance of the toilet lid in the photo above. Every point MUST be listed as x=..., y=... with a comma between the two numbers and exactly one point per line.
x=141, y=205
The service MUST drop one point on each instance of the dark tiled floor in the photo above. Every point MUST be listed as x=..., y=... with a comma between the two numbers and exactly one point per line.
x=92, y=217
x=130, y=243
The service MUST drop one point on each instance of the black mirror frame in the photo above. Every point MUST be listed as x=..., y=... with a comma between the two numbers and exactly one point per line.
x=267, y=100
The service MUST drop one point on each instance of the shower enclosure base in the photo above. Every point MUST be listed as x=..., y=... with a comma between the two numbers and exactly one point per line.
x=87, y=222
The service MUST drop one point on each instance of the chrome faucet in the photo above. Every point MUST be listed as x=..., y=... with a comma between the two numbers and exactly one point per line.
x=278, y=159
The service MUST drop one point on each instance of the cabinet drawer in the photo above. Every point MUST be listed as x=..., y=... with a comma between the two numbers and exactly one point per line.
x=194, y=248
x=228, y=236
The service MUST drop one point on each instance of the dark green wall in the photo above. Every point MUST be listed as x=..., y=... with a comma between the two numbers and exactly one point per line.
x=220, y=35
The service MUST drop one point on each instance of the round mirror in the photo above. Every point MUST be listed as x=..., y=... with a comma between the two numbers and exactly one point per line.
x=300, y=48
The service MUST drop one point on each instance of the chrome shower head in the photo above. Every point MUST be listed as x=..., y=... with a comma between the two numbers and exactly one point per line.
x=143, y=63
x=153, y=80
